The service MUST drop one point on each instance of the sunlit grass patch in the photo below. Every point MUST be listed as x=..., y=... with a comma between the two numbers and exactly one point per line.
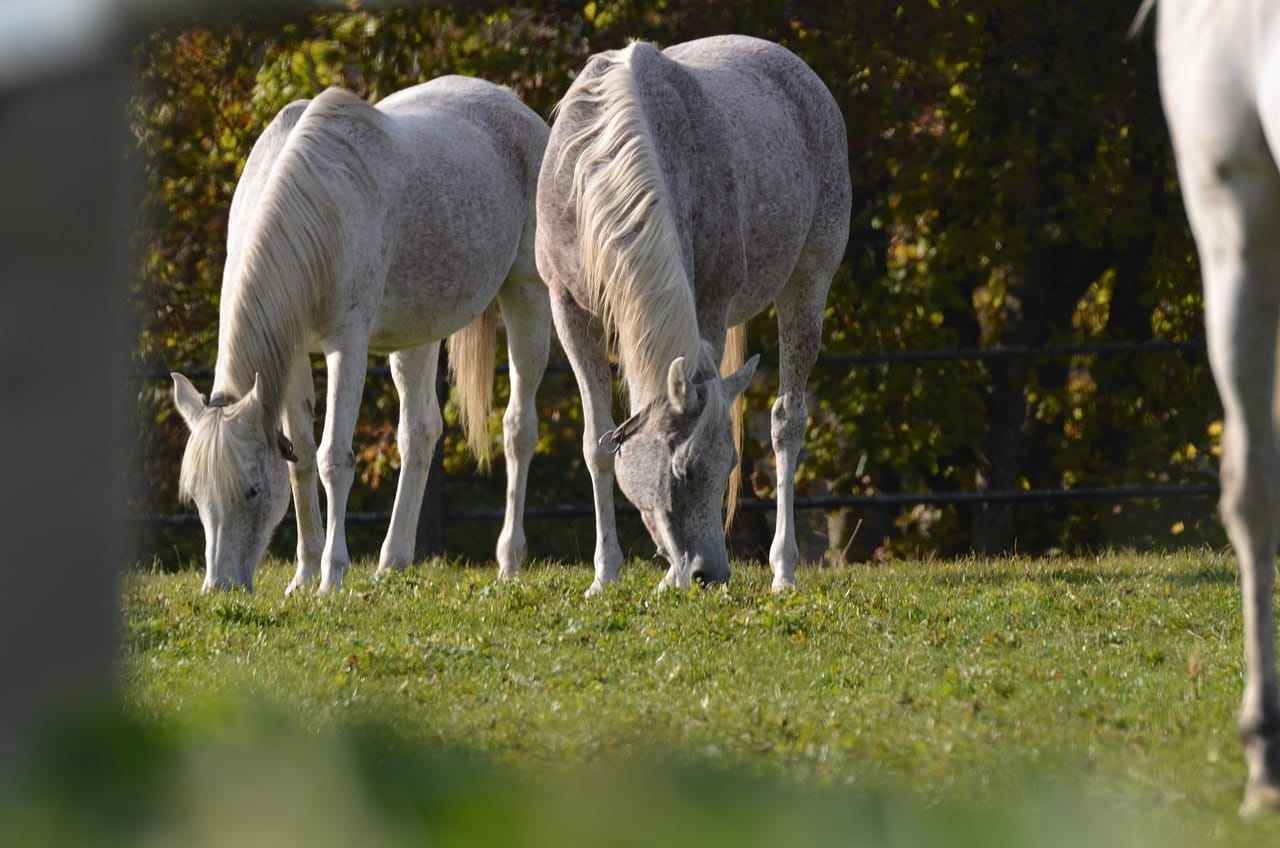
x=977, y=691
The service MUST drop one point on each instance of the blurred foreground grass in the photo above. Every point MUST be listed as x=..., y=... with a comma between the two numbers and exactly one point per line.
x=987, y=703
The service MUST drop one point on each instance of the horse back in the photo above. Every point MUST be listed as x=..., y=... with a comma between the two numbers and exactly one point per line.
x=460, y=201
x=763, y=147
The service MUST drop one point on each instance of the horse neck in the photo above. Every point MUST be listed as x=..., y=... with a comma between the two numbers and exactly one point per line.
x=251, y=345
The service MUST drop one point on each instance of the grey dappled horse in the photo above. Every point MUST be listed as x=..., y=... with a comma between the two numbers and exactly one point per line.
x=1220, y=83
x=358, y=229
x=682, y=192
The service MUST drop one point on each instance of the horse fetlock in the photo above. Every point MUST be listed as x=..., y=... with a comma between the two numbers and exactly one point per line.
x=1260, y=796
x=332, y=573
x=1262, y=792
x=393, y=561
x=511, y=553
x=331, y=584
x=307, y=574
x=783, y=582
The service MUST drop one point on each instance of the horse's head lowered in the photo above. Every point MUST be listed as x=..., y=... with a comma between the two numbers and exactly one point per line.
x=234, y=470
x=672, y=461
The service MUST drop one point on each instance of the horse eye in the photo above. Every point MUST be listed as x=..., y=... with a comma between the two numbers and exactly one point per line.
x=252, y=493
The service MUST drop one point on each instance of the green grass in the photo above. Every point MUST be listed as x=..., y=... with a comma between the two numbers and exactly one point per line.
x=1011, y=702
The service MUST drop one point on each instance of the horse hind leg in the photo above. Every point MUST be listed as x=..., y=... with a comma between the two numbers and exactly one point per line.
x=414, y=373
x=1243, y=357
x=527, y=314
x=1236, y=214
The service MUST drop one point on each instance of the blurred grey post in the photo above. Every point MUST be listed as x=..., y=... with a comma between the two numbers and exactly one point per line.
x=63, y=348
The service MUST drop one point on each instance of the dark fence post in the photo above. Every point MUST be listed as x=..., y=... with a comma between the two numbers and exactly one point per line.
x=63, y=351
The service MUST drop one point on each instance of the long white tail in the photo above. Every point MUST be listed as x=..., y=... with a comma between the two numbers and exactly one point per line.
x=472, y=352
x=735, y=354
x=1140, y=19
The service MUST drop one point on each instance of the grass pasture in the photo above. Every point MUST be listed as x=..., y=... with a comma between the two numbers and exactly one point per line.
x=1068, y=701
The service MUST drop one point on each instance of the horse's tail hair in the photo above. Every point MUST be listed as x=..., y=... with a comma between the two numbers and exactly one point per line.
x=735, y=354
x=471, y=359
x=633, y=266
x=1140, y=19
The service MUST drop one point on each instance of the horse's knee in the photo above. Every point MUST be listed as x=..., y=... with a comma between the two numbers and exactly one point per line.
x=788, y=419
x=336, y=463
x=599, y=459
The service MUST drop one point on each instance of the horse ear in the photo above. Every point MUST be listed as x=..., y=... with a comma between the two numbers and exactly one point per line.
x=189, y=402
x=251, y=403
x=679, y=391
x=736, y=383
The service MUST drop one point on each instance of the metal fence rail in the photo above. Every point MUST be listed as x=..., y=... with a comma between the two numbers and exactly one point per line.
x=830, y=502
x=886, y=499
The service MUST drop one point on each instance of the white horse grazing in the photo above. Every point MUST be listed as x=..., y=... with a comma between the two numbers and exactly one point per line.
x=358, y=229
x=682, y=192
x=1220, y=83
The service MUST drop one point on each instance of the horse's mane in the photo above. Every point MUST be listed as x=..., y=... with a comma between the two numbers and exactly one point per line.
x=279, y=281
x=635, y=276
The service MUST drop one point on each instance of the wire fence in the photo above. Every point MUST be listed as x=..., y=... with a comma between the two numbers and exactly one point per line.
x=831, y=502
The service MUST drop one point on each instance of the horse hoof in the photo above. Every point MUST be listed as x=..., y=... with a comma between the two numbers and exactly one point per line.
x=1260, y=799
x=596, y=588
x=783, y=584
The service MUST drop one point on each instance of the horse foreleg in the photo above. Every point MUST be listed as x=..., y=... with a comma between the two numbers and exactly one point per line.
x=414, y=373
x=299, y=427
x=582, y=338
x=799, y=309
x=346, y=367
x=527, y=314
